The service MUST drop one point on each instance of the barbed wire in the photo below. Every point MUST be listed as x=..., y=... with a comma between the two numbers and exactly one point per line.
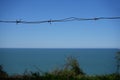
x=58, y=20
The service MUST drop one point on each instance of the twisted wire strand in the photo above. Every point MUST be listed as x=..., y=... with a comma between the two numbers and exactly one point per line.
x=58, y=20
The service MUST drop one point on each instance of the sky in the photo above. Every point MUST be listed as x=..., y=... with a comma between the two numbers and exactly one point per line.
x=75, y=34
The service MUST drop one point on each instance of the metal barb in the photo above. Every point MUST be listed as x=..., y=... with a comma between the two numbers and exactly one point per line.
x=96, y=18
x=18, y=21
x=50, y=21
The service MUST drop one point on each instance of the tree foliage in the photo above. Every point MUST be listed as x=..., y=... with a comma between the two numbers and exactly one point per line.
x=71, y=68
x=118, y=62
x=2, y=72
x=73, y=65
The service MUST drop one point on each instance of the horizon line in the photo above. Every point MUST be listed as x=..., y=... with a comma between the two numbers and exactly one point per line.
x=58, y=48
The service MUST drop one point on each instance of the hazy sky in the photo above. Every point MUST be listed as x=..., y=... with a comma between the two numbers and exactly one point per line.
x=76, y=34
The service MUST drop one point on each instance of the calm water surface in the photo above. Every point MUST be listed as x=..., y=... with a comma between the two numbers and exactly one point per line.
x=92, y=61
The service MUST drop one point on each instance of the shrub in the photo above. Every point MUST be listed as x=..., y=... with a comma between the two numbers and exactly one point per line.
x=3, y=74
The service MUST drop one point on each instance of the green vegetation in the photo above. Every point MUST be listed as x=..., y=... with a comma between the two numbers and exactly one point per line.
x=118, y=62
x=71, y=68
x=3, y=74
x=70, y=71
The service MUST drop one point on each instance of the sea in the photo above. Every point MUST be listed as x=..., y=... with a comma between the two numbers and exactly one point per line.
x=93, y=61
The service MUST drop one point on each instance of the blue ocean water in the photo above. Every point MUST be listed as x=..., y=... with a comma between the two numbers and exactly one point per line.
x=92, y=61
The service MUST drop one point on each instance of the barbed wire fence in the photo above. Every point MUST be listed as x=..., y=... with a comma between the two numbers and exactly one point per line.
x=57, y=20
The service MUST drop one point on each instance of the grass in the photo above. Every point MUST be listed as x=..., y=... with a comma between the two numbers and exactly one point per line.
x=48, y=76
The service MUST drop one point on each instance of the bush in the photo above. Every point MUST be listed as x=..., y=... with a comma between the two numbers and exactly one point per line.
x=3, y=74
